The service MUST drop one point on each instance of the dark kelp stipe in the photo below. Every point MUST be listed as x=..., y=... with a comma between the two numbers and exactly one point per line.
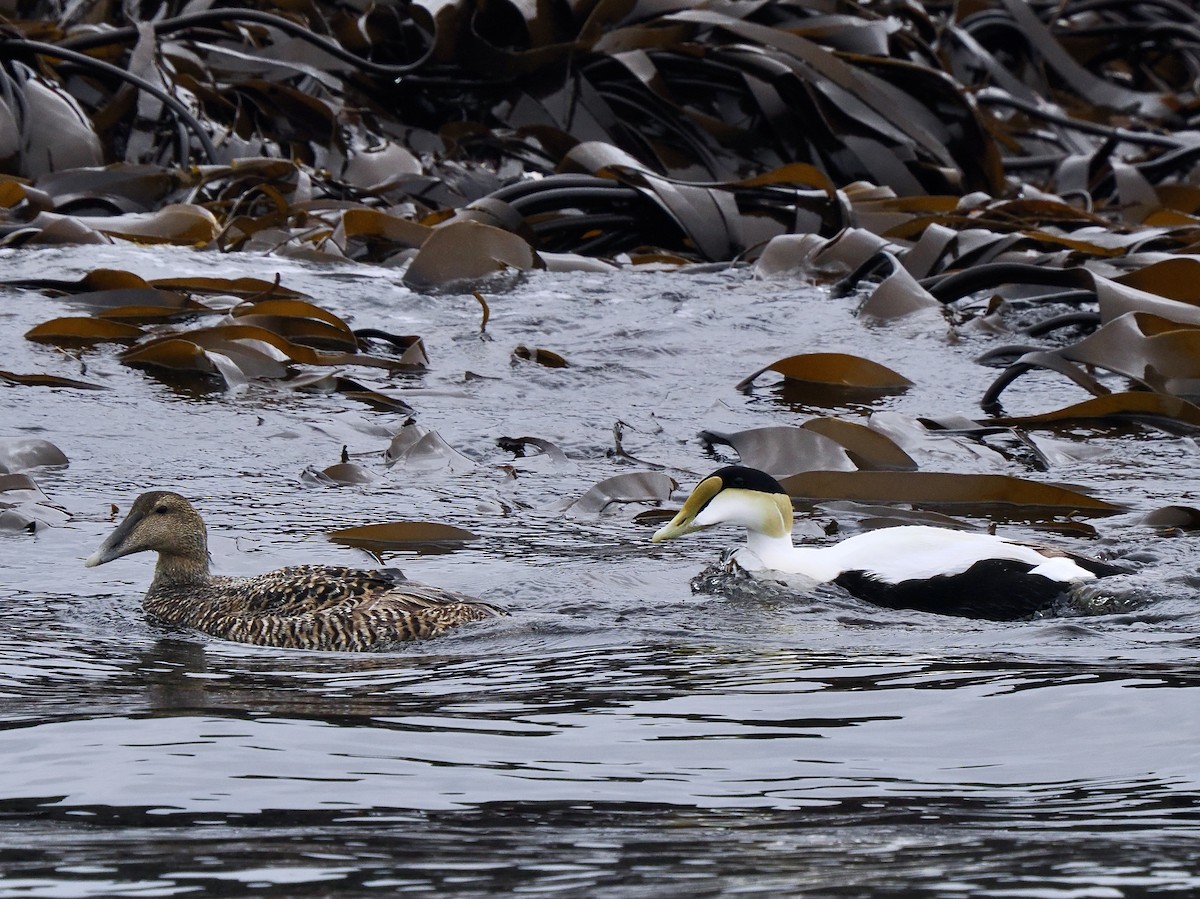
x=600, y=128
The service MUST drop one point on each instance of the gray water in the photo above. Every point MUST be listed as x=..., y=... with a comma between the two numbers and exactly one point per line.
x=618, y=735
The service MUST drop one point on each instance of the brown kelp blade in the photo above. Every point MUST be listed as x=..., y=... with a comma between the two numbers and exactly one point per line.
x=404, y=536
x=835, y=369
x=980, y=494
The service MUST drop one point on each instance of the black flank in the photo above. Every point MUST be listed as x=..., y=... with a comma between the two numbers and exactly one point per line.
x=994, y=589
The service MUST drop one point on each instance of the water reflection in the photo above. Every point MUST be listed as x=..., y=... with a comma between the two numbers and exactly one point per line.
x=691, y=725
x=806, y=398
x=895, y=846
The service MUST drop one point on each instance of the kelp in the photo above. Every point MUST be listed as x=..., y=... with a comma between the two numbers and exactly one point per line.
x=421, y=449
x=636, y=487
x=835, y=369
x=375, y=396
x=43, y=380
x=830, y=379
x=427, y=537
x=1153, y=352
x=538, y=355
x=829, y=460
x=1173, y=519
x=342, y=474
x=701, y=130
x=265, y=331
x=1167, y=412
x=24, y=508
x=519, y=447
x=83, y=331
x=784, y=451
x=868, y=449
x=19, y=454
x=467, y=251
x=1001, y=495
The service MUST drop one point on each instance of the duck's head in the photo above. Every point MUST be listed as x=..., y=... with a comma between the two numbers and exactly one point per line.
x=734, y=495
x=161, y=521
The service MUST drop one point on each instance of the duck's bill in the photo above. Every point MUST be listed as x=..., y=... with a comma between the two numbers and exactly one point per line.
x=678, y=526
x=685, y=521
x=113, y=547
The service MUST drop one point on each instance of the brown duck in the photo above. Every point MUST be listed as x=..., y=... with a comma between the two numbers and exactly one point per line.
x=302, y=607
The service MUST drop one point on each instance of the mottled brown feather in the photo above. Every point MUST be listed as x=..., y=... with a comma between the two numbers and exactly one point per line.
x=303, y=607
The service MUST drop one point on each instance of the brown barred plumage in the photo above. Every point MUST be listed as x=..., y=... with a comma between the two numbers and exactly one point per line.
x=304, y=607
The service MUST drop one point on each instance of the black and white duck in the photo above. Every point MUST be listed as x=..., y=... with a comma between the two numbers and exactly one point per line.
x=303, y=607
x=908, y=567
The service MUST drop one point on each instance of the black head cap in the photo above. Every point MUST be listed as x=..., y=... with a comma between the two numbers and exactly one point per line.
x=748, y=479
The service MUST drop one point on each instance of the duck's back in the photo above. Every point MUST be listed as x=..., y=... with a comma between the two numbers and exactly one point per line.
x=958, y=572
x=317, y=607
x=918, y=552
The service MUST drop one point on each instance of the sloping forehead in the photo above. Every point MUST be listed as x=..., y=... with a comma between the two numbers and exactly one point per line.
x=748, y=479
x=149, y=499
x=703, y=494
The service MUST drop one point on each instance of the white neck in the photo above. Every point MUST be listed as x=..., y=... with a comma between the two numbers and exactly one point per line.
x=764, y=553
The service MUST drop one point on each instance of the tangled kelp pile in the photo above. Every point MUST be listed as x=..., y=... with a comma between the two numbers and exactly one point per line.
x=597, y=127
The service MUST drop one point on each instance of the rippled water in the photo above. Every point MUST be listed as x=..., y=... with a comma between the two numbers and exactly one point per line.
x=618, y=735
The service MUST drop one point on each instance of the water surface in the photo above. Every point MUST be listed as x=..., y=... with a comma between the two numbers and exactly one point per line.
x=618, y=735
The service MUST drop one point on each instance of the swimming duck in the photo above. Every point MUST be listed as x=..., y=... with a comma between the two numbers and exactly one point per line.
x=909, y=567
x=302, y=607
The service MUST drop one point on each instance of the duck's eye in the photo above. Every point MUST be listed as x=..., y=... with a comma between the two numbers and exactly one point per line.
x=161, y=510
